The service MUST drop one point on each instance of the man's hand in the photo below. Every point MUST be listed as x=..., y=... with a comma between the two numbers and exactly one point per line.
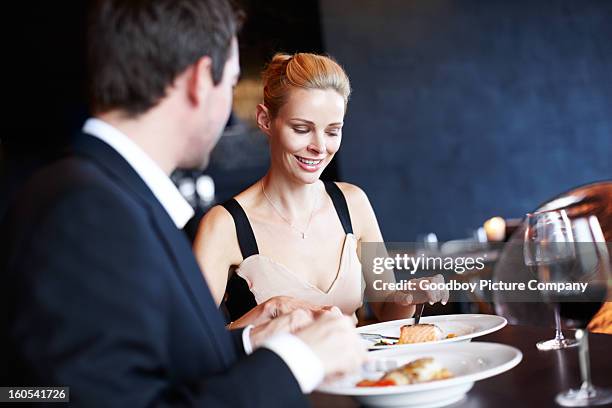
x=273, y=308
x=332, y=337
x=287, y=323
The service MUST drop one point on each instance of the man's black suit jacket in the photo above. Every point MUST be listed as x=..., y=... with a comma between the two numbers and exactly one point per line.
x=104, y=295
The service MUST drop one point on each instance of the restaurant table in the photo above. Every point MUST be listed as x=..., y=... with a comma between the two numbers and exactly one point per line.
x=534, y=382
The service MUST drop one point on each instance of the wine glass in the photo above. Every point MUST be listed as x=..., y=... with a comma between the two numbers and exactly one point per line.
x=593, y=268
x=549, y=250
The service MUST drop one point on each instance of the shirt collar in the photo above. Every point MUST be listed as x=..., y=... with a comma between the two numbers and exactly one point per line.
x=154, y=177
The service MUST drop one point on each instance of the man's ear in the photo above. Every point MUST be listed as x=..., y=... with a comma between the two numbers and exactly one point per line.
x=263, y=118
x=200, y=81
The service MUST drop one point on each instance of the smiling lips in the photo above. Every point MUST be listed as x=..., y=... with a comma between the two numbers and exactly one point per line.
x=309, y=164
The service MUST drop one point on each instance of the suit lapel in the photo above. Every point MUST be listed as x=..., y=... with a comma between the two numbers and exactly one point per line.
x=193, y=281
x=175, y=241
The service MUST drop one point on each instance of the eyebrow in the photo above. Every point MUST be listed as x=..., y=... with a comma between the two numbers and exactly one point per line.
x=312, y=123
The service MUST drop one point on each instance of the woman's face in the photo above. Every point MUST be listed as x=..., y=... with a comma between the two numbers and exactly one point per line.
x=306, y=133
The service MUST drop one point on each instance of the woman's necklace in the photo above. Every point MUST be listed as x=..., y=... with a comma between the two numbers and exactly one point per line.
x=302, y=233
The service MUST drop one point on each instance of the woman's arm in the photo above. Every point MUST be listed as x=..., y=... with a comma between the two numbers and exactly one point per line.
x=216, y=249
x=398, y=305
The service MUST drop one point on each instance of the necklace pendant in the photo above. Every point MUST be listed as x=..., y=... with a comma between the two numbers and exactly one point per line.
x=303, y=235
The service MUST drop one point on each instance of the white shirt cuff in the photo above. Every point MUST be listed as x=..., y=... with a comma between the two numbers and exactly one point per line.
x=246, y=339
x=304, y=364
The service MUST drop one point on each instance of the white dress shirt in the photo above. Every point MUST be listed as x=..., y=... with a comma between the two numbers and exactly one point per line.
x=303, y=363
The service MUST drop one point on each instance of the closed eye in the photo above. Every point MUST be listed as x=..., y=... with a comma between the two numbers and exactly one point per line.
x=301, y=130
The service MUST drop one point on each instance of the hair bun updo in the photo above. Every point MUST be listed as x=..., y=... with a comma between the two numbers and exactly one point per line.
x=301, y=70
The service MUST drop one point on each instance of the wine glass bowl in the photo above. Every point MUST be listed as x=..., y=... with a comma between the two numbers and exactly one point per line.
x=549, y=253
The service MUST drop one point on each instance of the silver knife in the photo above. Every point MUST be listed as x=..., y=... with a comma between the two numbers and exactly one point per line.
x=374, y=337
x=418, y=313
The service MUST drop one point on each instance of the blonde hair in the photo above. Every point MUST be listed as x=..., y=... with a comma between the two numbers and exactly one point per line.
x=301, y=70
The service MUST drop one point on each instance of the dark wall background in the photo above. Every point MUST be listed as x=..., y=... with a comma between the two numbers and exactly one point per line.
x=44, y=87
x=467, y=109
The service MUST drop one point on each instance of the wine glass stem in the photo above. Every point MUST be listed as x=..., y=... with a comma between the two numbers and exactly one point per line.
x=558, y=333
x=584, y=360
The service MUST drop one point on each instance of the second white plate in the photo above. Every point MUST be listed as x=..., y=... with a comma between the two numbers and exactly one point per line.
x=469, y=362
x=464, y=326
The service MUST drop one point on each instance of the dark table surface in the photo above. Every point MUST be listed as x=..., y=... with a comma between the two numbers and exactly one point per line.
x=533, y=383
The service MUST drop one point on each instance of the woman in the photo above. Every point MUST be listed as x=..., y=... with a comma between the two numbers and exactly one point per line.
x=290, y=234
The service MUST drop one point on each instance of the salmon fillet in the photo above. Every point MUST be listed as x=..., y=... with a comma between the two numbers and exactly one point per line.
x=419, y=333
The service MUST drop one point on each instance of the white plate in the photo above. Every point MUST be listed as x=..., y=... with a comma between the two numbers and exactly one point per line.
x=468, y=362
x=464, y=326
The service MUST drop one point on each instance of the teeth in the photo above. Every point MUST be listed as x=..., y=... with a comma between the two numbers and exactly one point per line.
x=309, y=162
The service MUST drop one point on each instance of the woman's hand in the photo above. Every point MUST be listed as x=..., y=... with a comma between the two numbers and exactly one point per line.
x=419, y=295
x=273, y=308
x=401, y=304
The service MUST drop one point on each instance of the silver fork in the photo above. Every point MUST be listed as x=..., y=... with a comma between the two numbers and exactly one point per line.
x=418, y=313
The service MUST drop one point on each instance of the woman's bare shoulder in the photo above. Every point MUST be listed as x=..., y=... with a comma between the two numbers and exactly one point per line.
x=217, y=217
x=355, y=196
x=216, y=240
x=217, y=225
x=218, y=229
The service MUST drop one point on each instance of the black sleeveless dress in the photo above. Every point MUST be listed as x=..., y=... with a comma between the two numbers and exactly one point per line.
x=238, y=298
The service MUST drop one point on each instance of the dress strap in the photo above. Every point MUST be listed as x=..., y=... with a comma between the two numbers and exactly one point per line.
x=244, y=231
x=339, y=202
x=239, y=299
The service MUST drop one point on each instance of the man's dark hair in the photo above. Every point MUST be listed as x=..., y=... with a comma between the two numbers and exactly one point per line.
x=136, y=48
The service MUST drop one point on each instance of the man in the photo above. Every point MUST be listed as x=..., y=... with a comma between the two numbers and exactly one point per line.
x=102, y=290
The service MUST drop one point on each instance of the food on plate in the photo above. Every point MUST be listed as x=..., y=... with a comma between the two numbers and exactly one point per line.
x=384, y=343
x=419, y=333
x=417, y=371
x=413, y=333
